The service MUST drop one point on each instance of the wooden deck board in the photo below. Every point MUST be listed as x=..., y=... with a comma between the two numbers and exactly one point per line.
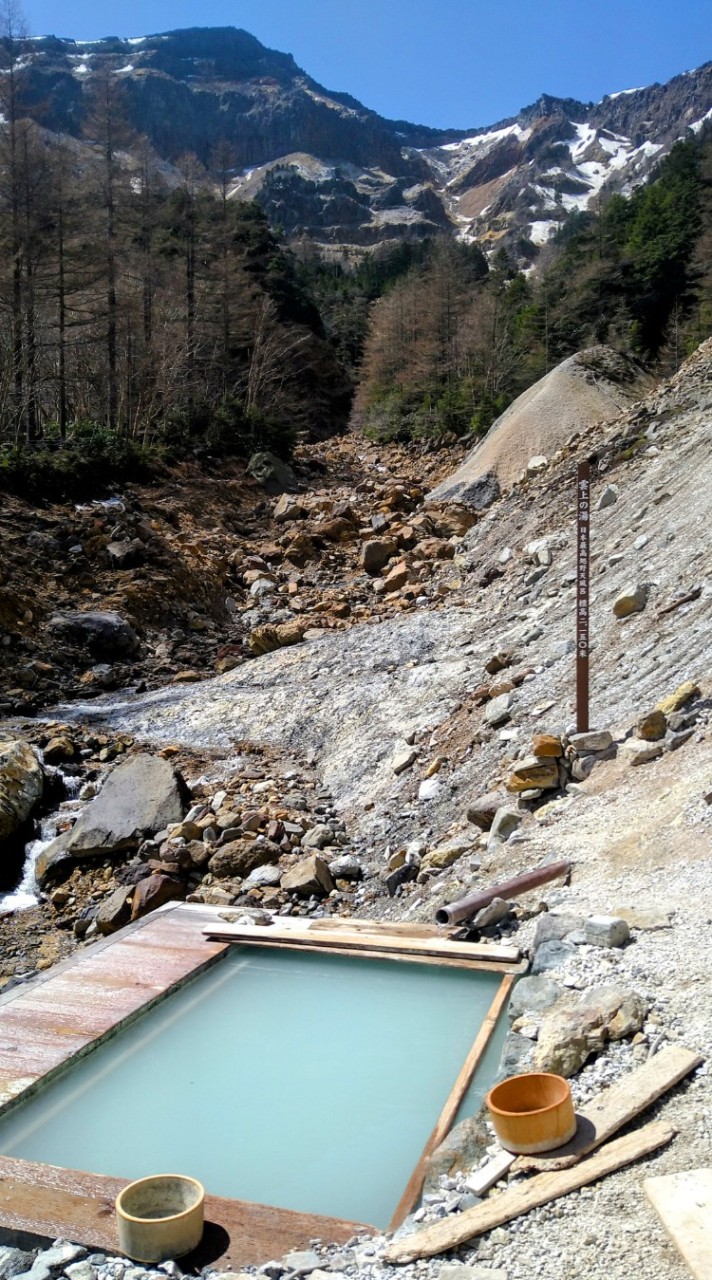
x=63, y=1203
x=44, y=1025
x=683, y=1202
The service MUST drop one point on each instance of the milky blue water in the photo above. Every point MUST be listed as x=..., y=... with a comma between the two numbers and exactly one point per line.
x=307, y=1081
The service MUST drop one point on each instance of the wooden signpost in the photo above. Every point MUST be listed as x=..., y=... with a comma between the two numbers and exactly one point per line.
x=583, y=493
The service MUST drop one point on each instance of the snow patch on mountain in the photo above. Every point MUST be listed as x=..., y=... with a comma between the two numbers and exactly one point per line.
x=541, y=231
x=488, y=140
x=622, y=93
x=338, y=107
x=699, y=124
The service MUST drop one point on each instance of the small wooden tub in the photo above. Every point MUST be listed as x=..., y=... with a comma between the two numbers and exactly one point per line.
x=532, y=1112
x=160, y=1217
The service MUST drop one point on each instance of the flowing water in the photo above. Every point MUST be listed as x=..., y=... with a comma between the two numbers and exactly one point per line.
x=26, y=894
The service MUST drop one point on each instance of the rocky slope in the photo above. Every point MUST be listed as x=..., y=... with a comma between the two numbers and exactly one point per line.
x=345, y=773
x=581, y=392
x=352, y=699
x=180, y=574
x=327, y=168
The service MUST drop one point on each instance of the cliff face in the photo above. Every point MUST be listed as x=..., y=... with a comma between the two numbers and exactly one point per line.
x=323, y=166
x=525, y=174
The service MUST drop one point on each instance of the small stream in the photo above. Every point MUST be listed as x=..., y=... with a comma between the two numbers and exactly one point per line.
x=26, y=894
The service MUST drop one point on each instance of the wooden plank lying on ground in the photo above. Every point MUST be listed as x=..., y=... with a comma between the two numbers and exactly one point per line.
x=411, y=1195
x=608, y=1112
x=683, y=1202
x=269, y=935
x=455, y=1230
x=482, y=1179
x=614, y=1107
x=63, y=1203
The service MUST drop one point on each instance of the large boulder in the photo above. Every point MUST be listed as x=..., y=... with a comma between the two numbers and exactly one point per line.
x=105, y=635
x=272, y=473
x=574, y=1029
x=21, y=784
x=240, y=857
x=143, y=795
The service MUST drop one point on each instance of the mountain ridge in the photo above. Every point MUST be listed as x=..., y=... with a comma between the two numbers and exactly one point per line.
x=327, y=168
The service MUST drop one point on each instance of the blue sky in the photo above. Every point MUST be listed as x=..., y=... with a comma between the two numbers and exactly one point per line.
x=456, y=63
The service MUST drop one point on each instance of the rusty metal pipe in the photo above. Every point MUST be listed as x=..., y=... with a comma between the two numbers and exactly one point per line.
x=464, y=908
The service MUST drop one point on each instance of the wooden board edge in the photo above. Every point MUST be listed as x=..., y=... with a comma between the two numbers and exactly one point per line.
x=47, y=1200
x=397, y=957
x=689, y=1232
x=269, y=936
x=451, y=1232
x=447, y=1116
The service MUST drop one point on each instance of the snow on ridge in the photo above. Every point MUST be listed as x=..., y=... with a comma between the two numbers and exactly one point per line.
x=585, y=135
x=122, y=71
x=484, y=139
x=137, y=39
x=622, y=93
x=330, y=103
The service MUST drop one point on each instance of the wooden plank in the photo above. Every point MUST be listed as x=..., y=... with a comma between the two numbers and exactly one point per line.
x=268, y=935
x=397, y=928
x=482, y=1179
x=397, y=957
x=544, y=1187
x=683, y=1202
x=614, y=1107
x=63, y=1203
x=50, y=1022
x=444, y=1123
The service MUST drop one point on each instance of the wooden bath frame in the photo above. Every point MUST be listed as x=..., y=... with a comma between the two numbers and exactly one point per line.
x=56, y=1019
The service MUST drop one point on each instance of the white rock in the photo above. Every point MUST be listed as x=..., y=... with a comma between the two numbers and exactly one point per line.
x=498, y=710
x=536, y=464
x=637, y=751
x=592, y=740
x=608, y=497
x=606, y=931
x=429, y=788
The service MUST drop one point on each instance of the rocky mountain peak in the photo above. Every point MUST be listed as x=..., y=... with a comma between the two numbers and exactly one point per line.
x=325, y=167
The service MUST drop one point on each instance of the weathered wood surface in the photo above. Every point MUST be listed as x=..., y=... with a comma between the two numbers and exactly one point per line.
x=444, y=1123
x=397, y=927
x=63, y=1203
x=541, y=1189
x=615, y=1106
x=46, y=1023
x=482, y=1179
x=338, y=937
x=683, y=1202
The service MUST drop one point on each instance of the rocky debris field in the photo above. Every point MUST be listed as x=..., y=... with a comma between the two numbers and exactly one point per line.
x=385, y=761
x=172, y=582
